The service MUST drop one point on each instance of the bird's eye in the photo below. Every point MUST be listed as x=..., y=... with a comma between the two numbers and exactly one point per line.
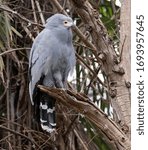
x=65, y=22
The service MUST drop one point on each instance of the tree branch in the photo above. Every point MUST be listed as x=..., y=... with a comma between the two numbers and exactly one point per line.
x=85, y=106
x=15, y=13
x=15, y=49
x=17, y=133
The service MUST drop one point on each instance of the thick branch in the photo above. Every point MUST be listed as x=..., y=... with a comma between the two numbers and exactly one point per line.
x=85, y=106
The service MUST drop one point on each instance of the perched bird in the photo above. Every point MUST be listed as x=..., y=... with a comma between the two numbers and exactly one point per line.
x=51, y=59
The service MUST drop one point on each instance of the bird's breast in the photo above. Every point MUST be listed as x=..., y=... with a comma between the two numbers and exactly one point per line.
x=58, y=61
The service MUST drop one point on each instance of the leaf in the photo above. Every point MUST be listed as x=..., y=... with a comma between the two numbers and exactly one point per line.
x=8, y=26
x=1, y=64
x=16, y=32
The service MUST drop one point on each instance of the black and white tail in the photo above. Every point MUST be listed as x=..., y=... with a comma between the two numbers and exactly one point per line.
x=47, y=113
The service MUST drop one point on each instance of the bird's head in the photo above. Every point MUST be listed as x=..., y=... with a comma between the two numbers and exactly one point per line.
x=59, y=21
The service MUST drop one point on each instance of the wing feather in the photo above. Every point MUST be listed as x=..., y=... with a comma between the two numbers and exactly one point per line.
x=39, y=53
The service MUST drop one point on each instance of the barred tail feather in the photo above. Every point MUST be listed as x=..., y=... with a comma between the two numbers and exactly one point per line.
x=47, y=113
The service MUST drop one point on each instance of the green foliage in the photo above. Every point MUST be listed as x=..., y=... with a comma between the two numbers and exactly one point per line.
x=108, y=17
x=6, y=34
x=94, y=134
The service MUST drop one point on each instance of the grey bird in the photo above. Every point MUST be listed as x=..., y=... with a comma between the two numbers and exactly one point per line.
x=52, y=58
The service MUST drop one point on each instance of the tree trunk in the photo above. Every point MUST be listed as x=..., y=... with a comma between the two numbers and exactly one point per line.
x=125, y=49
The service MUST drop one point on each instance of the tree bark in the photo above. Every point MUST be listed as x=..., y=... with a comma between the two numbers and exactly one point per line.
x=125, y=49
x=116, y=137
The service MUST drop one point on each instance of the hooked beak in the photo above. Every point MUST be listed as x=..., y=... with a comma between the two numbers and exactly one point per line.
x=69, y=24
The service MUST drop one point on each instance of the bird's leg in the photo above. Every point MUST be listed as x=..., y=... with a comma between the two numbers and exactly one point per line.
x=65, y=84
x=58, y=80
x=65, y=76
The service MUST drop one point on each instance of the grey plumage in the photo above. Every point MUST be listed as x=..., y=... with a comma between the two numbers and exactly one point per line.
x=51, y=59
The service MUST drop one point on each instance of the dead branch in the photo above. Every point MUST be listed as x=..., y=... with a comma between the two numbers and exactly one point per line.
x=86, y=107
x=15, y=13
x=17, y=133
x=15, y=49
x=40, y=12
x=89, y=68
